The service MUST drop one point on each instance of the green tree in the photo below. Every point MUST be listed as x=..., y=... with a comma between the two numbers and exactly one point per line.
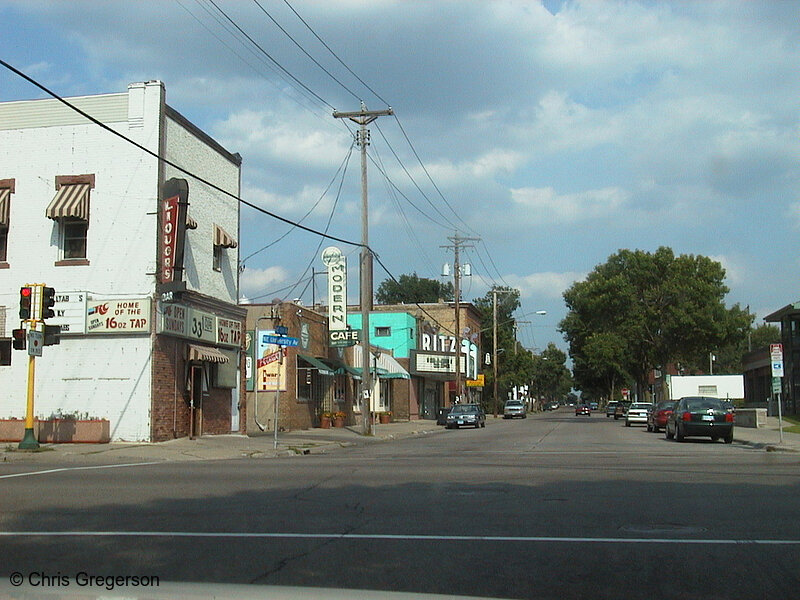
x=654, y=309
x=551, y=378
x=412, y=288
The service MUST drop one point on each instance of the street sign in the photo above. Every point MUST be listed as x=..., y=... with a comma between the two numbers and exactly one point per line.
x=35, y=343
x=281, y=330
x=777, y=368
x=279, y=340
x=776, y=385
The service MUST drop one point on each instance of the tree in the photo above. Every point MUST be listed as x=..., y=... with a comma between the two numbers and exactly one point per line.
x=409, y=289
x=653, y=309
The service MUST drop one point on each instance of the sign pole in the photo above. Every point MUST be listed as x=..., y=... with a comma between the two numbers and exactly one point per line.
x=29, y=441
x=277, y=399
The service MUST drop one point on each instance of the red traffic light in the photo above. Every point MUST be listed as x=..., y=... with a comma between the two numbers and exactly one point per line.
x=25, y=297
x=19, y=337
x=25, y=291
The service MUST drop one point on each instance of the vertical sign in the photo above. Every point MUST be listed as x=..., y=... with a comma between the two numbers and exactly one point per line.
x=776, y=359
x=175, y=195
x=270, y=370
x=336, y=262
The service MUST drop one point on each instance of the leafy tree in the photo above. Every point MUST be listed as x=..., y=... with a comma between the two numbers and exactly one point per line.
x=412, y=288
x=653, y=309
x=551, y=379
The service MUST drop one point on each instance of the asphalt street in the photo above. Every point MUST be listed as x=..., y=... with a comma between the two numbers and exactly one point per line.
x=553, y=506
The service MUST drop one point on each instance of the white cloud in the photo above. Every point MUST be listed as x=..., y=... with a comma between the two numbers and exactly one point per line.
x=545, y=205
x=548, y=285
x=485, y=166
x=253, y=282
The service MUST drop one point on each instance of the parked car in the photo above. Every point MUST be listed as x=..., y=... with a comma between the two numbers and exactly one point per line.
x=610, y=408
x=700, y=416
x=657, y=416
x=514, y=408
x=583, y=409
x=594, y=405
x=465, y=414
x=637, y=413
x=620, y=410
x=552, y=406
x=441, y=416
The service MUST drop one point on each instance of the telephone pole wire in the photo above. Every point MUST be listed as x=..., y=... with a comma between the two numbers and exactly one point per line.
x=363, y=118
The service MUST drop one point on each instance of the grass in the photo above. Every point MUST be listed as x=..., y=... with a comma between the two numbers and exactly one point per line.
x=795, y=421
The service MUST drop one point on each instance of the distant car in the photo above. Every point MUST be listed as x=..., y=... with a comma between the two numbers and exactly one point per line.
x=583, y=409
x=514, y=408
x=657, y=416
x=594, y=405
x=700, y=416
x=552, y=406
x=620, y=410
x=465, y=414
x=637, y=413
x=610, y=407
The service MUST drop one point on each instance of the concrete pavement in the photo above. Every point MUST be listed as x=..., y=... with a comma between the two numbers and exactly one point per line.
x=301, y=442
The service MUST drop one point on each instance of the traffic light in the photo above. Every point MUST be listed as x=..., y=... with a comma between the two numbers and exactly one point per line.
x=25, y=300
x=48, y=301
x=19, y=337
x=52, y=335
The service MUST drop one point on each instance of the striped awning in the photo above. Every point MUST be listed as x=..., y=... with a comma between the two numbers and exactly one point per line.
x=206, y=353
x=190, y=222
x=71, y=201
x=5, y=206
x=221, y=238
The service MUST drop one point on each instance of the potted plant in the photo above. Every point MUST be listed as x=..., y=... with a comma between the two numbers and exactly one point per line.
x=385, y=417
x=338, y=418
x=325, y=420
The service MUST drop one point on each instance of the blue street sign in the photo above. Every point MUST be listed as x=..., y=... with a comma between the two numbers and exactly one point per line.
x=280, y=340
x=281, y=330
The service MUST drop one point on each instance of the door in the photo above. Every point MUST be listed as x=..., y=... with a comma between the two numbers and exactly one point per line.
x=196, y=402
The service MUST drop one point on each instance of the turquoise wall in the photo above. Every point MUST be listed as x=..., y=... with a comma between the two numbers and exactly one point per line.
x=403, y=329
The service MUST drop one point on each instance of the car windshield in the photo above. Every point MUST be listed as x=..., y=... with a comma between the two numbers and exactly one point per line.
x=641, y=405
x=665, y=406
x=513, y=403
x=460, y=409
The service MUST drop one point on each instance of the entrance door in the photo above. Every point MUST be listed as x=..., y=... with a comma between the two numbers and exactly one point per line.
x=196, y=405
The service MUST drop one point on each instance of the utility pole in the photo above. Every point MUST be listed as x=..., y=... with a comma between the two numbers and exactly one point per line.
x=457, y=244
x=363, y=118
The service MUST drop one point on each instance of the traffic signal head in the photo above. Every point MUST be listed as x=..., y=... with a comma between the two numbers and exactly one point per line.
x=52, y=335
x=25, y=301
x=18, y=339
x=48, y=301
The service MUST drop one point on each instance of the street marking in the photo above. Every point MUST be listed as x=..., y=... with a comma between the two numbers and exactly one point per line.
x=401, y=537
x=29, y=473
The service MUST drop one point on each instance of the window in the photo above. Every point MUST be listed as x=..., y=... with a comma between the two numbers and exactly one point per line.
x=73, y=238
x=383, y=331
x=70, y=209
x=221, y=240
x=6, y=189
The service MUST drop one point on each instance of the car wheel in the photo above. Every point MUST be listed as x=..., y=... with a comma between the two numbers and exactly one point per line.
x=667, y=434
x=729, y=437
x=524, y=416
x=679, y=434
x=627, y=423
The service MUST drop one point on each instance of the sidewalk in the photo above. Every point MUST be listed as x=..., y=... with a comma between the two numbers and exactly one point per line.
x=217, y=447
x=768, y=438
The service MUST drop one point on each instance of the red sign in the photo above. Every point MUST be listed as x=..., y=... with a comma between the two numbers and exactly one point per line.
x=269, y=358
x=169, y=243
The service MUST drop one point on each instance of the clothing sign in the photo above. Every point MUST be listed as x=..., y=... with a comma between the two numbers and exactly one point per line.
x=268, y=366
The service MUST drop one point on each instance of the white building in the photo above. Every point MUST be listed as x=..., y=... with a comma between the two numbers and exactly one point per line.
x=730, y=387
x=84, y=211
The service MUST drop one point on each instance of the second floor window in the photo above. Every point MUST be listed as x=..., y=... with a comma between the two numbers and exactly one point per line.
x=73, y=238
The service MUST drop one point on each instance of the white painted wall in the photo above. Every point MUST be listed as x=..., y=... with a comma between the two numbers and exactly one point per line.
x=728, y=386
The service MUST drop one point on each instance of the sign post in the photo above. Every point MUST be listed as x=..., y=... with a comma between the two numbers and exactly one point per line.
x=776, y=359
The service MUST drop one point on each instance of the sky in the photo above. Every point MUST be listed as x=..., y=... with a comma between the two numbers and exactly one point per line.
x=557, y=133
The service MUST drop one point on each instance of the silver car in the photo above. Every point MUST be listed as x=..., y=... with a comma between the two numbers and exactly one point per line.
x=514, y=408
x=637, y=413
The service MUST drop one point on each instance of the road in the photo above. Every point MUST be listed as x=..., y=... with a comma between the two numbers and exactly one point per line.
x=554, y=506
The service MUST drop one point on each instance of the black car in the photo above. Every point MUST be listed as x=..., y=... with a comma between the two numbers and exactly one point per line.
x=700, y=416
x=465, y=415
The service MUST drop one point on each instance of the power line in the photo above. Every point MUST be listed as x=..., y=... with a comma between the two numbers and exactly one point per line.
x=328, y=48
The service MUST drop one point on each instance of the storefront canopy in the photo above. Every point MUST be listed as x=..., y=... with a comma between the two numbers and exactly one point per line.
x=388, y=367
x=317, y=364
x=206, y=353
x=70, y=202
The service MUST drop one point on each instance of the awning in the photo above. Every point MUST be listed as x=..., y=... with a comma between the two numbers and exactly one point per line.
x=206, y=353
x=221, y=238
x=190, y=222
x=317, y=364
x=388, y=367
x=355, y=372
x=71, y=201
x=5, y=206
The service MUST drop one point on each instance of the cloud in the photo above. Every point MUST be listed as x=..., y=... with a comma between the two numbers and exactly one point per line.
x=549, y=285
x=545, y=205
x=254, y=282
x=486, y=166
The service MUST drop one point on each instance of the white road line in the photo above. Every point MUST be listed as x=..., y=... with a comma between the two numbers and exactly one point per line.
x=400, y=537
x=29, y=473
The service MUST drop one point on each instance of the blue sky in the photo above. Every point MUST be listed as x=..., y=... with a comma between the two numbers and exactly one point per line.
x=557, y=132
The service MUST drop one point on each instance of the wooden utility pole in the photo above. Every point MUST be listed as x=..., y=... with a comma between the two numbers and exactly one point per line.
x=457, y=244
x=363, y=118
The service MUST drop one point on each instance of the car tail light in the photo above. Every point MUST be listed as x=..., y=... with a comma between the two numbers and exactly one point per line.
x=729, y=417
x=687, y=416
